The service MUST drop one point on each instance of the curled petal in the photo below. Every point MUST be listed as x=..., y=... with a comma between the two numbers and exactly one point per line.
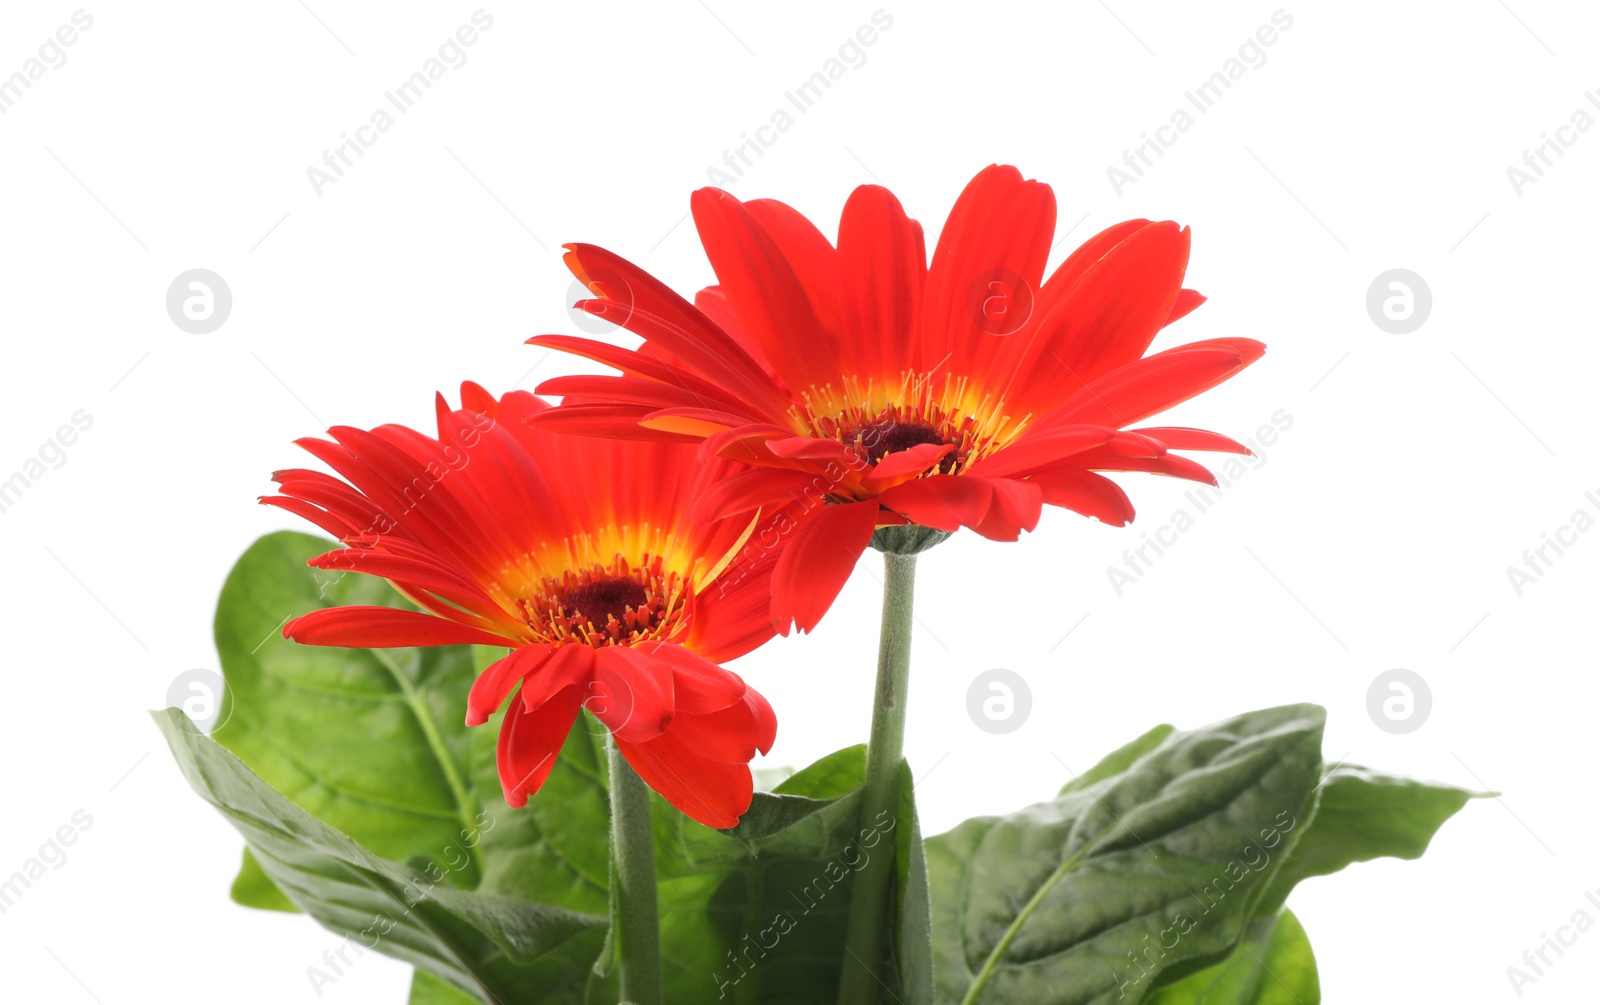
x=699, y=764
x=568, y=665
x=632, y=693
x=699, y=686
x=530, y=741
x=499, y=679
x=1015, y=508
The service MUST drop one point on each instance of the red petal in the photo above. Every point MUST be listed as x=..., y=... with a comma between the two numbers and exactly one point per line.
x=1154, y=384
x=1015, y=508
x=732, y=735
x=699, y=686
x=637, y=364
x=632, y=693
x=1087, y=493
x=384, y=628
x=1187, y=301
x=733, y=614
x=1174, y=465
x=763, y=288
x=1000, y=224
x=1108, y=318
x=906, y=464
x=412, y=574
x=634, y=391
x=882, y=273
x=1184, y=438
x=617, y=422
x=812, y=448
x=818, y=560
x=1087, y=254
x=714, y=793
x=1040, y=446
x=759, y=488
x=306, y=511
x=530, y=741
x=806, y=250
x=499, y=679
x=943, y=502
x=568, y=665
x=665, y=318
x=1114, y=313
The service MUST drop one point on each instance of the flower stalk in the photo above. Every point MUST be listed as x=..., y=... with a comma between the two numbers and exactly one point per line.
x=860, y=982
x=635, y=916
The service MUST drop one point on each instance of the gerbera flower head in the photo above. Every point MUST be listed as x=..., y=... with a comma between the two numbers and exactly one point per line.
x=885, y=391
x=577, y=555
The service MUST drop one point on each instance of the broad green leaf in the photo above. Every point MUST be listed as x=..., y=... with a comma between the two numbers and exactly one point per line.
x=835, y=775
x=555, y=849
x=371, y=741
x=374, y=742
x=496, y=949
x=1145, y=873
x=1363, y=815
x=1274, y=965
x=757, y=914
x=427, y=989
x=1119, y=760
x=252, y=888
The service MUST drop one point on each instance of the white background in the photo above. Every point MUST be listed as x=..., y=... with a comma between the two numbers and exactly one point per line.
x=1376, y=534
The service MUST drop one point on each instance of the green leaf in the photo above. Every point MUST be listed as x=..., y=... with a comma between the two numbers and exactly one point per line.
x=427, y=989
x=374, y=742
x=757, y=913
x=835, y=775
x=1146, y=872
x=555, y=849
x=371, y=741
x=1274, y=965
x=496, y=949
x=913, y=942
x=252, y=888
x=1363, y=815
x=1119, y=760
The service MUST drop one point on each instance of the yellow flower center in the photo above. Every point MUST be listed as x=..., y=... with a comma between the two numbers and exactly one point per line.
x=607, y=604
x=877, y=418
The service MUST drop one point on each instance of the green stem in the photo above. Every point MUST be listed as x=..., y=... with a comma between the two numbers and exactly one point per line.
x=635, y=918
x=861, y=983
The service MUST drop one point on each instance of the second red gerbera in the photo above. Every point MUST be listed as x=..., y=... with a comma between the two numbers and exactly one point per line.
x=579, y=556
x=891, y=392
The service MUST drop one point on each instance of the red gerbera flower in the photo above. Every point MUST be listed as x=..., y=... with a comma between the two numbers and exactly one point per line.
x=962, y=394
x=577, y=554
